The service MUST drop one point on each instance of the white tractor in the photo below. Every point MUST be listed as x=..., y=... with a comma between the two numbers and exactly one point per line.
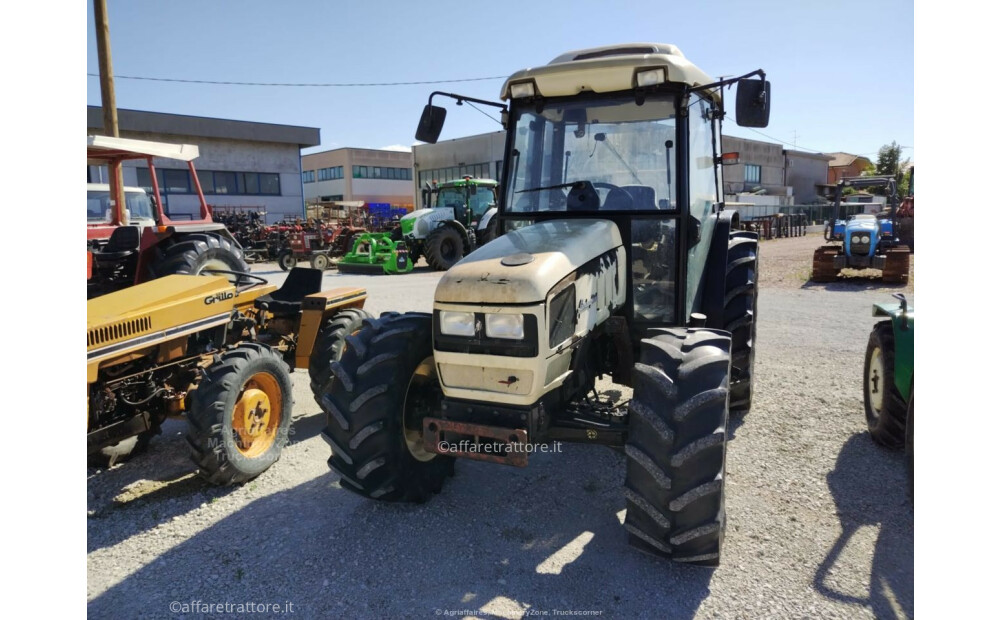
x=616, y=257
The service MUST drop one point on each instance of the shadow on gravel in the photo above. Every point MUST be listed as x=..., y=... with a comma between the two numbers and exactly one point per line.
x=863, y=499
x=487, y=543
x=150, y=489
x=853, y=284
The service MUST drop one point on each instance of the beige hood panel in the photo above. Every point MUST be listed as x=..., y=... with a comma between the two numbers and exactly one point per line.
x=557, y=247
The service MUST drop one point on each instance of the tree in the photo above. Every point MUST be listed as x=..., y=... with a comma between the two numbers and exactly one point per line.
x=889, y=164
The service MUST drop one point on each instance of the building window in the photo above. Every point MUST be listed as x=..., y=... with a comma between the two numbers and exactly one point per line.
x=248, y=183
x=270, y=184
x=205, y=180
x=751, y=173
x=309, y=176
x=225, y=183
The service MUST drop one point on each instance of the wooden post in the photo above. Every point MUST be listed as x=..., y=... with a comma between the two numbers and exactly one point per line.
x=108, y=107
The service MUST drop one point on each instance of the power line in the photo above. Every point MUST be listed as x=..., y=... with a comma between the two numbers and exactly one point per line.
x=313, y=85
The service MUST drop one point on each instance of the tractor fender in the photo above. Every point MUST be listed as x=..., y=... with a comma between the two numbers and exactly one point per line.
x=485, y=220
x=713, y=280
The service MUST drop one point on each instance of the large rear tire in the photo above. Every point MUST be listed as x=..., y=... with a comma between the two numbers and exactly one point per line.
x=380, y=391
x=885, y=408
x=443, y=248
x=740, y=316
x=676, y=448
x=329, y=346
x=192, y=253
x=239, y=415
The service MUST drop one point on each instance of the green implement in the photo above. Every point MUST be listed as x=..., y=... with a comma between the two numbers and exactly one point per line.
x=376, y=254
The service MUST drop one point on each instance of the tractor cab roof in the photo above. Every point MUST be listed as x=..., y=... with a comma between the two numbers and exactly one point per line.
x=607, y=69
x=102, y=149
x=467, y=181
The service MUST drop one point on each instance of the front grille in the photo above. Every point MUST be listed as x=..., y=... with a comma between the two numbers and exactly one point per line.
x=117, y=331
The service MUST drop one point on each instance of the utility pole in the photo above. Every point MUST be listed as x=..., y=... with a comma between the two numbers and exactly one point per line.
x=108, y=106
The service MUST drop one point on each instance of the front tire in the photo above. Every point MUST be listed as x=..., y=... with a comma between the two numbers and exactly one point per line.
x=909, y=444
x=443, y=248
x=885, y=409
x=240, y=414
x=286, y=260
x=379, y=392
x=329, y=346
x=319, y=261
x=740, y=316
x=676, y=448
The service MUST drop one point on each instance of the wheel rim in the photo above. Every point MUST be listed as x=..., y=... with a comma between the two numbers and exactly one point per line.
x=288, y=261
x=875, y=381
x=447, y=249
x=214, y=264
x=421, y=394
x=257, y=415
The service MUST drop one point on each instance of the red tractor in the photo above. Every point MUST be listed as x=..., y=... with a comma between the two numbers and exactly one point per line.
x=135, y=241
x=318, y=243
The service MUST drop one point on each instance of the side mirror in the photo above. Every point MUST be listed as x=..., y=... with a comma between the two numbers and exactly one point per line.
x=431, y=122
x=753, y=103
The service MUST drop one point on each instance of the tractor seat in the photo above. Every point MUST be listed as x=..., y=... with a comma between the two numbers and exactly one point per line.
x=122, y=243
x=301, y=281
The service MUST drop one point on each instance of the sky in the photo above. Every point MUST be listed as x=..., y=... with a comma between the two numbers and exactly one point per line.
x=839, y=82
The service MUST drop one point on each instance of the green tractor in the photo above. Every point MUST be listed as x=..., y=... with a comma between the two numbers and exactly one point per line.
x=617, y=257
x=458, y=217
x=888, y=390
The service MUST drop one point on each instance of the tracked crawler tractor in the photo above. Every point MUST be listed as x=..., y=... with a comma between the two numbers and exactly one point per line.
x=216, y=353
x=616, y=257
x=863, y=241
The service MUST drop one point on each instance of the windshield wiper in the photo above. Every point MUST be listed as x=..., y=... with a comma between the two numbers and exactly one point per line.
x=539, y=189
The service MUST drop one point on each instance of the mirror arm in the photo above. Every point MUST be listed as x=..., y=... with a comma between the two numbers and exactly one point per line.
x=728, y=82
x=461, y=98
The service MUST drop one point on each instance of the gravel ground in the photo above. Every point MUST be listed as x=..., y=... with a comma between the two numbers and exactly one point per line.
x=819, y=524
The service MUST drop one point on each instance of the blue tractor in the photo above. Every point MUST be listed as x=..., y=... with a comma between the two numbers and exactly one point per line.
x=863, y=240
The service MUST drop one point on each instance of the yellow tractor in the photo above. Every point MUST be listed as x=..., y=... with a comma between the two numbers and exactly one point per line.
x=216, y=350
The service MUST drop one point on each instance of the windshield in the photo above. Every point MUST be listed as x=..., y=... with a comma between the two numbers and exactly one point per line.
x=607, y=154
x=451, y=197
x=99, y=205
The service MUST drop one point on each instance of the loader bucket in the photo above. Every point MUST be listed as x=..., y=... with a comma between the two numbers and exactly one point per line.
x=376, y=254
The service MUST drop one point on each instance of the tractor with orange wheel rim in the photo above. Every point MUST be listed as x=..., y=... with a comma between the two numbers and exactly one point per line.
x=216, y=350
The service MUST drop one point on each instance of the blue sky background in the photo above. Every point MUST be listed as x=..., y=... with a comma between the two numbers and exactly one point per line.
x=840, y=81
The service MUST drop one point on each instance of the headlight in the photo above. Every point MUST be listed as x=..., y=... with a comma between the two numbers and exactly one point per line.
x=865, y=239
x=855, y=239
x=509, y=326
x=650, y=77
x=522, y=89
x=458, y=323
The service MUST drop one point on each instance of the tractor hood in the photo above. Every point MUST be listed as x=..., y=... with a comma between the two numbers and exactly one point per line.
x=537, y=257
x=866, y=225
x=163, y=304
x=422, y=221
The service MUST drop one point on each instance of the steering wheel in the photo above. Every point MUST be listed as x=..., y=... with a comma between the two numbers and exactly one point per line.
x=243, y=279
x=615, y=194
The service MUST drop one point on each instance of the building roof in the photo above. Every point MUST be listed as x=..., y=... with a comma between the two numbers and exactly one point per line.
x=821, y=156
x=845, y=159
x=204, y=127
